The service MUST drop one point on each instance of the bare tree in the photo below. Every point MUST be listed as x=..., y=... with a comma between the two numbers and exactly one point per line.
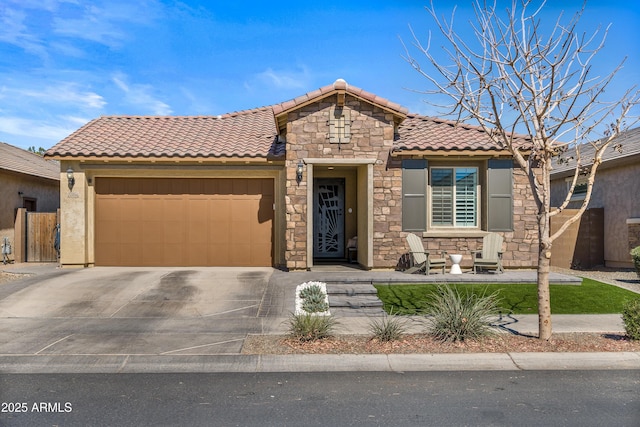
x=513, y=78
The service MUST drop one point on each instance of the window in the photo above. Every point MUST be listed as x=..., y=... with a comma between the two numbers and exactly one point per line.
x=580, y=190
x=471, y=196
x=454, y=197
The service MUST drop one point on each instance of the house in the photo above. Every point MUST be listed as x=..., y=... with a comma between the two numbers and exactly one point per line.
x=288, y=185
x=615, y=190
x=26, y=181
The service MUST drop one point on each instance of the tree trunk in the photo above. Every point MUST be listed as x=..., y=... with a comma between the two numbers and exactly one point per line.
x=544, y=262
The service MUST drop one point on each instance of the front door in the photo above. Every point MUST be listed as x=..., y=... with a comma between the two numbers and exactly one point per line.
x=328, y=218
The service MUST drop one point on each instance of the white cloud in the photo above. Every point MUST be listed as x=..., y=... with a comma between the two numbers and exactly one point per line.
x=13, y=30
x=62, y=93
x=140, y=95
x=36, y=128
x=285, y=79
x=107, y=23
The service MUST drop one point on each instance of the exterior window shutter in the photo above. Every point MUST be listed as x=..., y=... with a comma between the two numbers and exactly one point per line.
x=414, y=197
x=500, y=195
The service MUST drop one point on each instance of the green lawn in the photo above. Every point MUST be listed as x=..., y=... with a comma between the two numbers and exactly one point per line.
x=591, y=297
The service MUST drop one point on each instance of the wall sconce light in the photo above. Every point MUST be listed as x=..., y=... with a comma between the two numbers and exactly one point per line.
x=70, y=179
x=299, y=172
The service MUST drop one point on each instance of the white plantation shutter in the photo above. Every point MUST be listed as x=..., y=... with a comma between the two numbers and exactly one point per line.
x=454, y=197
x=441, y=196
x=466, y=197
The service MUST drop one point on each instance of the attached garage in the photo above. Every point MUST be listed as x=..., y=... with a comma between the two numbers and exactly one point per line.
x=184, y=221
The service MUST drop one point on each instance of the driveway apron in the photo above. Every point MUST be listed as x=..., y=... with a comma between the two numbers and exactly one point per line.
x=117, y=311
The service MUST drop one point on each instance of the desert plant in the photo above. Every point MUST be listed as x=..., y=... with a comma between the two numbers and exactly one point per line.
x=631, y=318
x=310, y=327
x=314, y=299
x=452, y=316
x=311, y=297
x=311, y=291
x=312, y=305
x=388, y=328
x=635, y=255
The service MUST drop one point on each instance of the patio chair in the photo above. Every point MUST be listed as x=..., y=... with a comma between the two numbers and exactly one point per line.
x=420, y=260
x=490, y=257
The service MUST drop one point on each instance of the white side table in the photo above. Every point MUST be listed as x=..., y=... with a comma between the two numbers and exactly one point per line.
x=455, y=260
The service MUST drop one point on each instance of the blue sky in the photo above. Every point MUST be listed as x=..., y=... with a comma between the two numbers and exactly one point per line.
x=65, y=62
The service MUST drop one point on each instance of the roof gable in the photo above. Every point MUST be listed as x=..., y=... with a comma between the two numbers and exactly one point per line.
x=338, y=87
x=18, y=160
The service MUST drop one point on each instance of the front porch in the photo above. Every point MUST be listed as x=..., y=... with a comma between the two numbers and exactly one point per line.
x=350, y=273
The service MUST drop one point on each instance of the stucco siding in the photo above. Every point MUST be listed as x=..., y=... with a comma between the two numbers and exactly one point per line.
x=616, y=190
x=44, y=191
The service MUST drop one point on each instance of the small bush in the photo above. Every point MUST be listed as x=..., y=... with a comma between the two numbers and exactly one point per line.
x=314, y=299
x=456, y=317
x=311, y=297
x=631, y=318
x=310, y=327
x=388, y=328
x=314, y=306
x=311, y=291
x=635, y=255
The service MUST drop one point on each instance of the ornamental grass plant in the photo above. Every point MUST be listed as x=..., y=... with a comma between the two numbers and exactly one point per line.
x=310, y=327
x=388, y=328
x=453, y=316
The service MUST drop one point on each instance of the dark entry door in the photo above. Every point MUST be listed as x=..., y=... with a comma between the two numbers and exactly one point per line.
x=328, y=218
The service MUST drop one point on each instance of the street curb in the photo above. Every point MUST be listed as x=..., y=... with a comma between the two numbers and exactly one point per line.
x=111, y=364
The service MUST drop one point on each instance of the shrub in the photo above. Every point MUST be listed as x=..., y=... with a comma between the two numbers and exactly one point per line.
x=311, y=291
x=314, y=299
x=314, y=306
x=311, y=297
x=310, y=327
x=456, y=317
x=631, y=318
x=635, y=255
x=388, y=328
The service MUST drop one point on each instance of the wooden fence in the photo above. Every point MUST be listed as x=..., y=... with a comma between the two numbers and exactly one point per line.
x=35, y=234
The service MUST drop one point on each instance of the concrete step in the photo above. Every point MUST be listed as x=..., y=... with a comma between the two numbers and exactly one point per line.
x=356, y=302
x=351, y=289
x=362, y=312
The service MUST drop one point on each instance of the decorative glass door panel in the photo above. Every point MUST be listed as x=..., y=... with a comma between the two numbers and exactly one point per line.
x=328, y=218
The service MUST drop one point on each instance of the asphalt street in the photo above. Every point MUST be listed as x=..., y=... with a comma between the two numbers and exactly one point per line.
x=478, y=398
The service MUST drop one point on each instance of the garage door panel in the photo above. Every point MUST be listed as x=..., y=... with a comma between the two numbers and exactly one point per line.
x=184, y=222
x=153, y=208
x=130, y=232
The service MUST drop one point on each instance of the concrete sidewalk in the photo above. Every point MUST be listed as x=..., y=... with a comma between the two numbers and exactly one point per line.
x=107, y=344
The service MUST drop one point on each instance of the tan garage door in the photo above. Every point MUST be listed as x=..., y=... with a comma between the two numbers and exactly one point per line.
x=183, y=222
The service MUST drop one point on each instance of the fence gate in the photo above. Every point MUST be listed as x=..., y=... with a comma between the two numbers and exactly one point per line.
x=41, y=232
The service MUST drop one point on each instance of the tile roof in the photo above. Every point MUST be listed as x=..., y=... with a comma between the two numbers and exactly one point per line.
x=244, y=134
x=422, y=133
x=18, y=160
x=629, y=146
x=338, y=85
x=249, y=133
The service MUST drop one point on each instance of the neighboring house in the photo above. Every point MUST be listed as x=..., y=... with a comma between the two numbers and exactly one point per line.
x=615, y=190
x=288, y=185
x=26, y=181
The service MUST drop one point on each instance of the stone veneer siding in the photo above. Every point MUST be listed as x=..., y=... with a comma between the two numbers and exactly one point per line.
x=372, y=133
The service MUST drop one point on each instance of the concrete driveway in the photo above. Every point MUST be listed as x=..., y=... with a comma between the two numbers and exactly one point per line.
x=127, y=311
